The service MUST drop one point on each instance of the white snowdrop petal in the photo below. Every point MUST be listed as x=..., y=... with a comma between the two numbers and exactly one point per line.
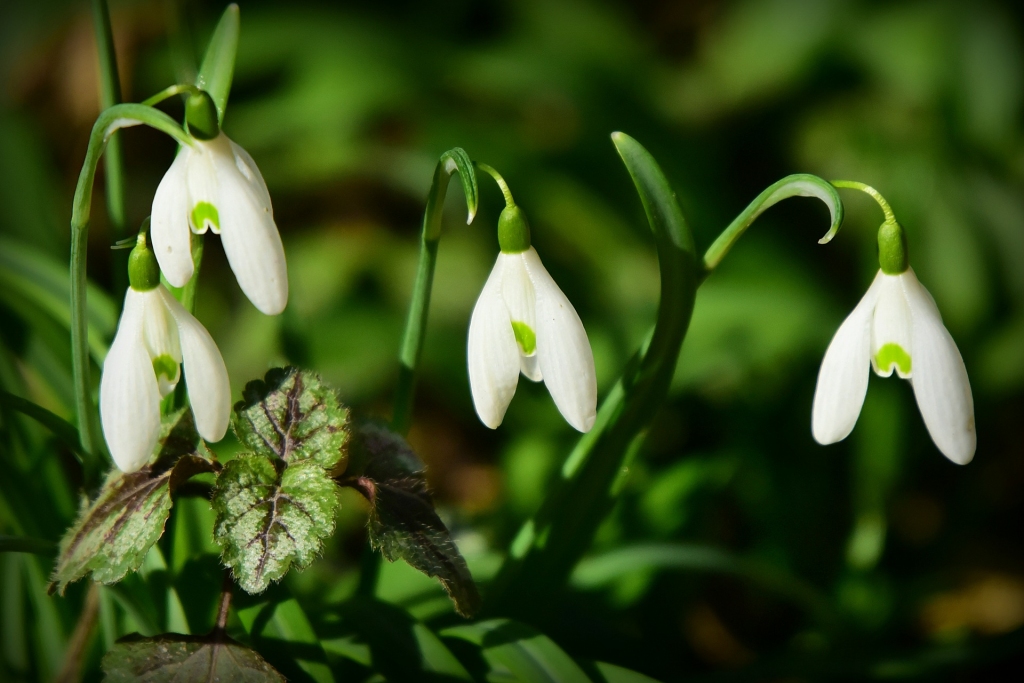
x=168, y=228
x=517, y=290
x=890, y=329
x=129, y=395
x=530, y=367
x=493, y=353
x=202, y=179
x=843, y=378
x=247, y=167
x=209, y=390
x=160, y=334
x=563, y=350
x=250, y=237
x=941, y=385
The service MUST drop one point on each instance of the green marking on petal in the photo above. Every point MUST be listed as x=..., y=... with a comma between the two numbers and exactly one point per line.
x=893, y=354
x=203, y=212
x=166, y=366
x=525, y=336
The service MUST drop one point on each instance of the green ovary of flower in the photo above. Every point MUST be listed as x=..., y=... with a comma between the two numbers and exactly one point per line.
x=203, y=212
x=166, y=366
x=893, y=354
x=525, y=337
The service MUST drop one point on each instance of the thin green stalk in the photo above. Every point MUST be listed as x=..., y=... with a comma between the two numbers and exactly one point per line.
x=867, y=189
x=416, y=321
x=549, y=545
x=110, y=120
x=169, y=92
x=110, y=94
x=798, y=185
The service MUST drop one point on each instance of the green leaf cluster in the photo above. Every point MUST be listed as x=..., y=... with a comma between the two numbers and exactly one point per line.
x=276, y=505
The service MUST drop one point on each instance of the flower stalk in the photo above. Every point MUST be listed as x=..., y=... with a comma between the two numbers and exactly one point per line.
x=110, y=120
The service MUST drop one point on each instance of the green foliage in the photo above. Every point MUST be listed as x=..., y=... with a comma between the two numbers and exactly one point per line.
x=114, y=532
x=293, y=416
x=271, y=515
x=403, y=523
x=171, y=657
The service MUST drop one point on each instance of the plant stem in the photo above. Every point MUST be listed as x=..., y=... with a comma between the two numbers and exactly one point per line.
x=549, y=545
x=224, y=607
x=416, y=321
x=798, y=185
x=110, y=120
x=506, y=193
x=110, y=94
x=867, y=189
x=71, y=670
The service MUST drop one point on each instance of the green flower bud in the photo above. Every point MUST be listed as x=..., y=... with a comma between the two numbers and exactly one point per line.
x=892, y=248
x=513, y=230
x=201, y=116
x=143, y=271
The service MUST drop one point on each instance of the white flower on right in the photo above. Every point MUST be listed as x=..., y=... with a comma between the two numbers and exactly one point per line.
x=897, y=327
x=523, y=322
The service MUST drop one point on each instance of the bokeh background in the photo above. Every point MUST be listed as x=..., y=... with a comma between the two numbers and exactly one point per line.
x=346, y=107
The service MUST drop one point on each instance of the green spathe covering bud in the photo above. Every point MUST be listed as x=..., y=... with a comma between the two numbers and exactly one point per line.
x=143, y=271
x=201, y=116
x=513, y=230
x=892, y=248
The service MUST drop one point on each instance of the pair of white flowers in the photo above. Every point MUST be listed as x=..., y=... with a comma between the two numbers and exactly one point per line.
x=213, y=184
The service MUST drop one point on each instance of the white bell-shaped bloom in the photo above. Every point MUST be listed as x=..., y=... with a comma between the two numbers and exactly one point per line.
x=897, y=327
x=523, y=322
x=155, y=336
x=214, y=184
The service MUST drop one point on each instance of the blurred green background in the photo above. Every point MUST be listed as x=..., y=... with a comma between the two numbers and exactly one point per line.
x=346, y=107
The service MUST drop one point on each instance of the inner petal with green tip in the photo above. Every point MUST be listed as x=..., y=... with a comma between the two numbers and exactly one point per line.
x=892, y=357
x=204, y=215
x=525, y=337
x=168, y=371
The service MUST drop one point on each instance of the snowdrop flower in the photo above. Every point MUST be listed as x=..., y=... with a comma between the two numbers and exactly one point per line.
x=214, y=185
x=154, y=337
x=523, y=322
x=897, y=328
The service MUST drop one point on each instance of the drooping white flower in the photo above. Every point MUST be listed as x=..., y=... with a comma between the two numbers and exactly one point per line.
x=214, y=184
x=155, y=337
x=897, y=327
x=523, y=322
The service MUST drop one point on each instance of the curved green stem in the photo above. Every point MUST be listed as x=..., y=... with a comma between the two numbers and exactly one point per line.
x=416, y=321
x=549, y=545
x=110, y=120
x=169, y=92
x=798, y=185
x=491, y=171
x=867, y=189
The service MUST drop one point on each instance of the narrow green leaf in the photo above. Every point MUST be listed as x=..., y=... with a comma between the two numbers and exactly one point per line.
x=514, y=651
x=403, y=523
x=171, y=657
x=61, y=428
x=218, y=66
x=35, y=546
x=113, y=533
x=271, y=515
x=283, y=633
x=610, y=673
x=293, y=415
x=601, y=570
x=387, y=639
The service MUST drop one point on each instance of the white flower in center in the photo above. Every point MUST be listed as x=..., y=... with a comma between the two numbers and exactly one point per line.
x=214, y=184
x=898, y=327
x=154, y=337
x=523, y=322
